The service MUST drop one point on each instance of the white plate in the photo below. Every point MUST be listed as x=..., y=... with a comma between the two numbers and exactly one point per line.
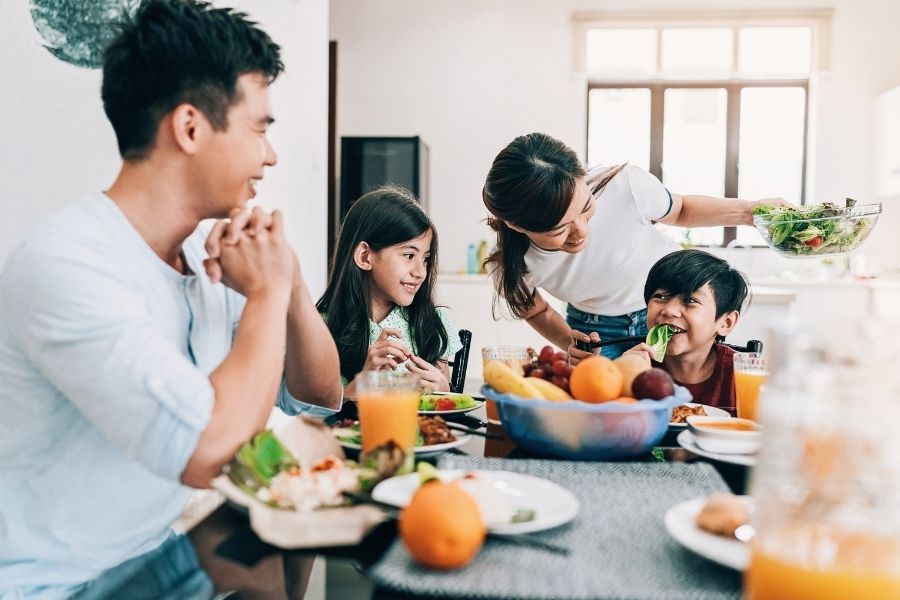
x=686, y=440
x=553, y=505
x=711, y=411
x=455, y=411
x=422, y=451
x=681, y=523
x=342, y=526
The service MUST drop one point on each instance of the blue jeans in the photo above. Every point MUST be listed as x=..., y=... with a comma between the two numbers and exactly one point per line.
x=609, y=328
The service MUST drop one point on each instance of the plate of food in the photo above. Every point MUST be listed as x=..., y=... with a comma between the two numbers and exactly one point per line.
x=432, y=438
x=447, y=403
x=291, y=482
x=711, y=527
x=687, y=441
x=681, y=412
x=510, y=503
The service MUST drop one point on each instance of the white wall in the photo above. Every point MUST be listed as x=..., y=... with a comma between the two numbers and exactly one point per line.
x=469, y=75
x=56, y=144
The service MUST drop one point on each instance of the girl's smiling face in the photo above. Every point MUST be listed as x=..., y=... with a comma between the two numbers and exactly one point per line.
x=694, y=316
x=397, y=272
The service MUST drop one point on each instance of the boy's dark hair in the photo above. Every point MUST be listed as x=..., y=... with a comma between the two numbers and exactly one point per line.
x=386, y=216
x=175, y=51
x=683, y=272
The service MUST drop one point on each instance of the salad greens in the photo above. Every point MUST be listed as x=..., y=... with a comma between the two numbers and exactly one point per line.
x=810, y=230
x=258, y=461
x=430, y=401
x=658, y=338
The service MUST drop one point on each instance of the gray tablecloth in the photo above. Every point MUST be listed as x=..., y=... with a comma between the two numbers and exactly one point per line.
x=620, y=549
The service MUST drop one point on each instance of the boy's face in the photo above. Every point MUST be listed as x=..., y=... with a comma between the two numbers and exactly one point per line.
x=696, y=317
x=233, y=160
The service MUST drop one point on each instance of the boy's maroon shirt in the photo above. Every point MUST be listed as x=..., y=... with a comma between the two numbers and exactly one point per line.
x=718, y=390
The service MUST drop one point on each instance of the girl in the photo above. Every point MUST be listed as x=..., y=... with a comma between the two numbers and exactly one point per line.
x=378, y=303
x=585, y=237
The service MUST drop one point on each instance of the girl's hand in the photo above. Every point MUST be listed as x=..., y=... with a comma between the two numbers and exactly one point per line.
x=386, y=353
x=576, y=355
x=429, y=375
x=642, y=350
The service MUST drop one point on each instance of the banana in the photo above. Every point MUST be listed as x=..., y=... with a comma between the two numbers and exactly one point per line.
x=548, y=390
x=503, y=379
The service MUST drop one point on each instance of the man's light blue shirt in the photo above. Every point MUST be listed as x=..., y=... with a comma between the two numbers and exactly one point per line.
x=105, y=353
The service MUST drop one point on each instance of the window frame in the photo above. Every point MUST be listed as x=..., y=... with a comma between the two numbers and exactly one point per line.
x=733, y=88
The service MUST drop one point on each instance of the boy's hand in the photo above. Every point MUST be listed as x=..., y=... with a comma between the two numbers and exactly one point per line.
x=429, y=375
x=642, y=350
x=576, y=355
x=386, y=353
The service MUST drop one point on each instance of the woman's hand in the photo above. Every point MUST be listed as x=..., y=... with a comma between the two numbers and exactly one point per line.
x=386, y=353
x=642, y=350
x=429, y=375
x=576, y=355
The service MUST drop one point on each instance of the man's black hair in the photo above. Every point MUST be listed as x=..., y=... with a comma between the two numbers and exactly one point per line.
x=683, y=272
x=175, y=51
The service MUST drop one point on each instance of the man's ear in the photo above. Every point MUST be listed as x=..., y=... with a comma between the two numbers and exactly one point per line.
x=187, y=124
x=728, y=322
x=362, y=256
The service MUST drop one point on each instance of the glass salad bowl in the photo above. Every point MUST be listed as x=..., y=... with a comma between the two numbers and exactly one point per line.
x=815, y=230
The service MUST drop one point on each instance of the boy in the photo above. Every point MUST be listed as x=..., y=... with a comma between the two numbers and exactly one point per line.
x=701, y=296
x=128, y=372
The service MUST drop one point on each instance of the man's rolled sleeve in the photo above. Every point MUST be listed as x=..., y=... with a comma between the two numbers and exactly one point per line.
x=292, y=406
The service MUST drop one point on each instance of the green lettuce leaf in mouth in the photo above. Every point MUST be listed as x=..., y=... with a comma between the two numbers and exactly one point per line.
x=658, y=338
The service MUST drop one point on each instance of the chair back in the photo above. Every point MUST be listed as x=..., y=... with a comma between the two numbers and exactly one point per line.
x=460, y=362
x=752, y=346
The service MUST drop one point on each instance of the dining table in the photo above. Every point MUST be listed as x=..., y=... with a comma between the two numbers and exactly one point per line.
x=617, y=546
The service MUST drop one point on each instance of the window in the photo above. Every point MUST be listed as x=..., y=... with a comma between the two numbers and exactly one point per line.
x=713, y=105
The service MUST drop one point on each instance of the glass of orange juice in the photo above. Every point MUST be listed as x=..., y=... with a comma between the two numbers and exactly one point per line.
x=750, y=372
x=388, y=405
x=827, y=484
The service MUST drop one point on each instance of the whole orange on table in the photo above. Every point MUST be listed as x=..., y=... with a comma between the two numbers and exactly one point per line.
x=596, y=379
x=442, y=527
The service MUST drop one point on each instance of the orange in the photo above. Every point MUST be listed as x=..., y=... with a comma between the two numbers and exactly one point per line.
x=442, y=526
x=625, y=400
x=596, y=379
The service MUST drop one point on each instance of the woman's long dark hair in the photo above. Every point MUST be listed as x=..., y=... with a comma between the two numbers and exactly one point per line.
x=531, y=185
x=384, y=217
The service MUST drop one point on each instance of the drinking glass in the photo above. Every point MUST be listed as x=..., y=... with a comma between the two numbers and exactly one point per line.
x=827, y=485
x=750, y=373
x=388, y=404
x=516, y=357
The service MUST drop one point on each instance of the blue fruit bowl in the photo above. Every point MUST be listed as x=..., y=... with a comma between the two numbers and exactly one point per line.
x=579, y=430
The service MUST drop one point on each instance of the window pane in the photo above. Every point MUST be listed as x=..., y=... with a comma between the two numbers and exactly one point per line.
x=621, y=52
x=771, y=147
x=775, y=50
x=694, y=148
x=619, y=127
x=697, y=50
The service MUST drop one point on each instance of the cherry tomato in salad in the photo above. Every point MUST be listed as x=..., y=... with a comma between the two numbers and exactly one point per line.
x=444, y=404
x=815, y=242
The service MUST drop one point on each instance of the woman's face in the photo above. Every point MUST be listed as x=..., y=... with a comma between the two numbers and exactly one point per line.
x=571, y=233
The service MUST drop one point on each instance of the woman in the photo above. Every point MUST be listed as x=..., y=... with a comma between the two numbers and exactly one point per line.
x=586, y=237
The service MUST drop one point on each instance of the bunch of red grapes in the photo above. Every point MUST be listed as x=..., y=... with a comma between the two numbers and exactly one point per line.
x=552, y=366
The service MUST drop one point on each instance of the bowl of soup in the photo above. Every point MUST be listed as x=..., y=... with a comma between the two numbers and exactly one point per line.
x=725, y=435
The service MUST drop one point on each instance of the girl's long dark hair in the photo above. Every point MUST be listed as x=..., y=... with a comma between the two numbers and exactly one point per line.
x=384, y=217
x=531, y=184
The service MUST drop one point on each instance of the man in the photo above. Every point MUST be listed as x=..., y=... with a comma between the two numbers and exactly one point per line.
x=128, y=371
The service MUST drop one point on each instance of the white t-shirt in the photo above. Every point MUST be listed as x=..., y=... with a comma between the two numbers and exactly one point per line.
x=608, y=276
